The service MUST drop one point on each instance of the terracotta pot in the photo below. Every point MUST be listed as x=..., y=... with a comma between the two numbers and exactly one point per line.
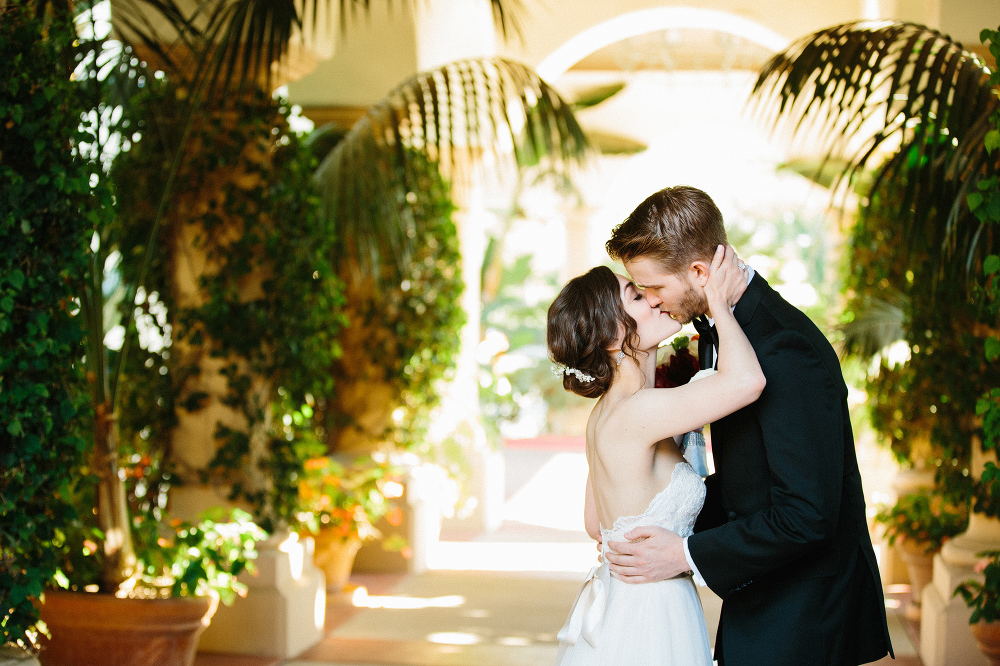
x=987, y=635
x=104, y=630
x=334, y=555
x=920, y=568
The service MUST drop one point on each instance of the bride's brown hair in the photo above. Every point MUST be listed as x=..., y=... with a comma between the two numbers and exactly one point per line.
x=583, y=323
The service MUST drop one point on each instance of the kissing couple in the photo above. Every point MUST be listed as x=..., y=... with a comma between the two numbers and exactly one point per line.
x=778, y=531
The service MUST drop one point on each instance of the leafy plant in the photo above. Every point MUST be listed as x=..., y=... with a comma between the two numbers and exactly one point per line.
x=925, y=517
x=266, y=306
x=197, y=558
x=984, y=203
x=983, y=597
x=349, y=499
x=902, y=290
x=48, y=212
x=862, y=86
x=402, y=333
x=225, y=47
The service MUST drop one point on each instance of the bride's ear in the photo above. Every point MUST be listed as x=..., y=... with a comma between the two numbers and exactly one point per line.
x=619, y=340
x=699, y=273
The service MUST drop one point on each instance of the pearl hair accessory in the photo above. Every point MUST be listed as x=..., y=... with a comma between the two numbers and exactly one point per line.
x=560, y=370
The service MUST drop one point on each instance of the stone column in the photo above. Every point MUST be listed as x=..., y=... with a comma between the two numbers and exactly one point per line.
x=945, y=638
x=285, y=607
x=485, y=482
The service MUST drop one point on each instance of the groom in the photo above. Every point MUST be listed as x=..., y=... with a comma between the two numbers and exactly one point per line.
x=782, y=537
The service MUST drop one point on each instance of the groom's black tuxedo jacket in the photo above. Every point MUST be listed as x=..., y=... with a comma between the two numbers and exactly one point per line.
x=783, y=537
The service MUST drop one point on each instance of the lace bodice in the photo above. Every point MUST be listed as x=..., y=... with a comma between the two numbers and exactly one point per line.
x=613, y=622
x=675, y=508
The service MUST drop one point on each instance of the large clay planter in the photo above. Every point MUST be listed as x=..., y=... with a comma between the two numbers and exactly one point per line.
x=104, y=630
x=987, y=635
x=334, y=555
x=920, y=568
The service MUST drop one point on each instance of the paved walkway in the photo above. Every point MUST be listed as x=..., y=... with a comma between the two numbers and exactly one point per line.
x=497, y=599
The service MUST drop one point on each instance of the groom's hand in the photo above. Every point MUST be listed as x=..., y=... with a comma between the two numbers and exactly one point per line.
x=651, y=554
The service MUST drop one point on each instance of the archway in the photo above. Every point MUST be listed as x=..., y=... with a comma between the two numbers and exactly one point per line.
x=645, y=21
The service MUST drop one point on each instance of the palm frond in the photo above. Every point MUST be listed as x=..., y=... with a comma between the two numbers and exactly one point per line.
x=241, y=43
x=897, y=96
x=509, y=16
x=594, y=95
x=459, y=117
x=878, y=323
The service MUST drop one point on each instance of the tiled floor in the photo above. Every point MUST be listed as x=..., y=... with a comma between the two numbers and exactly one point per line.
x=385, y=641
x=502, y=616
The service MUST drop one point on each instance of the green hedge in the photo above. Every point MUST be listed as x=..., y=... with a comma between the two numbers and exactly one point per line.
x=48, y=211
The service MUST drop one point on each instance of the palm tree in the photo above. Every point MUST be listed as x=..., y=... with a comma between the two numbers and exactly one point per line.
x=904, y=99
x=902, y=114
x=215, y=50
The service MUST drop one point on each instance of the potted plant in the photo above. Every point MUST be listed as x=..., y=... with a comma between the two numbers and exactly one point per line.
x=983, y=597
x=340, y=504
x=920, y=523
x=106, y=81
x=183, y=571
x=65, y=484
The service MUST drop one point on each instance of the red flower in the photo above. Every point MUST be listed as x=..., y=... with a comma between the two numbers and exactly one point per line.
x=680, y=367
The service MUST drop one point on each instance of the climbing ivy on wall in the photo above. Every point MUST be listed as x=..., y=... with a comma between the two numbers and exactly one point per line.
x=263, y=299
x=48, y=213
x=404, y=330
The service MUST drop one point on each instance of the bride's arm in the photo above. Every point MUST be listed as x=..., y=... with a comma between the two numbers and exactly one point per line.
x=661, y=413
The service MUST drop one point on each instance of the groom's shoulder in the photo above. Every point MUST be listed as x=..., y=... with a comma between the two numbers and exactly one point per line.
x=788, y=326
x=775, y=314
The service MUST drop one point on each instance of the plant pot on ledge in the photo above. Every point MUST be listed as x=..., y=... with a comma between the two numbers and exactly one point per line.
x=920, y=569
x=334, y=555
x=104, y=630
x=987, y=635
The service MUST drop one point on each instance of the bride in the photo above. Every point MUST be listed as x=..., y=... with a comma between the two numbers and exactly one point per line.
x=603, y=336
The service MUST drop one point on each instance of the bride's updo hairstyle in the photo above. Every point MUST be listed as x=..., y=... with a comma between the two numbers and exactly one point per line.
x=583, y=323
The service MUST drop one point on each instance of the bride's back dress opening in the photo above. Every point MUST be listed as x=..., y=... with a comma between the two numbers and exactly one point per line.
x=615, y=623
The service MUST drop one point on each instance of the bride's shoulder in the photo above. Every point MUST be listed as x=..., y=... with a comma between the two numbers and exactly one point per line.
x=619, y=423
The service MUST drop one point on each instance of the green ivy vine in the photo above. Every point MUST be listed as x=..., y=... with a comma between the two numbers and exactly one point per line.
x=48, y=213
x=984, y=202
x=404, y=329
x=931, y=396
x=266, y=304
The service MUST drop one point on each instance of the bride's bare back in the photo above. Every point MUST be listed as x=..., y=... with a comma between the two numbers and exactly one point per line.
x=626, y=473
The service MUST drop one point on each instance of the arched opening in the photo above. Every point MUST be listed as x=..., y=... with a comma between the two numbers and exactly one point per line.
x=657, y=19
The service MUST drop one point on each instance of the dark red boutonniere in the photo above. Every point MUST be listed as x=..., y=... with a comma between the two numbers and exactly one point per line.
x=678, y=367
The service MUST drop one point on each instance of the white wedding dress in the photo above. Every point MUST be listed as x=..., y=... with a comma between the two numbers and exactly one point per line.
x=614, y=623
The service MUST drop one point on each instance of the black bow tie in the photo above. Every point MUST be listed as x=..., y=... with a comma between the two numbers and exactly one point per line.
x=706, y=329
x=707, y=333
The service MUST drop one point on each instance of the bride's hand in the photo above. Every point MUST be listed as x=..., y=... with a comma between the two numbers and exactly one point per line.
x=726, y=281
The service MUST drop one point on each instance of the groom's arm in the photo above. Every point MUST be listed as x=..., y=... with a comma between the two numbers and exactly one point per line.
x=801, y=421
x=712, y=514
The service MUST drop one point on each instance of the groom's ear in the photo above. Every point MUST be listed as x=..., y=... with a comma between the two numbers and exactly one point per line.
x=698, y=272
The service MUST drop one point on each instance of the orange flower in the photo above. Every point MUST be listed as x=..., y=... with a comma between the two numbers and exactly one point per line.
x=315, y=463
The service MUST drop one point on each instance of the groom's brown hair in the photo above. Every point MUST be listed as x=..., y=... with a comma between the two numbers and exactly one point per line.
x=674, y=227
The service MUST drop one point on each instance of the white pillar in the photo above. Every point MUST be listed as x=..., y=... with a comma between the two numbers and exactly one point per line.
x=284, y=610
x=460, y=413
x=945, y=638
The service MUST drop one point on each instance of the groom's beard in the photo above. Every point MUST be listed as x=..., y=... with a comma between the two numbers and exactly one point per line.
x=692, y=305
